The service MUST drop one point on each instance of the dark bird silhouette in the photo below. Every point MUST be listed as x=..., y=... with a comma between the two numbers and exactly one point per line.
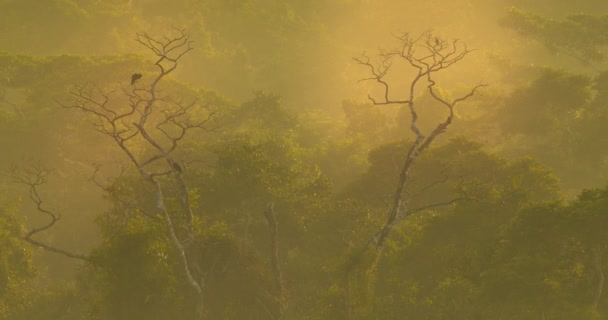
x=135, y=77
x=177, y=167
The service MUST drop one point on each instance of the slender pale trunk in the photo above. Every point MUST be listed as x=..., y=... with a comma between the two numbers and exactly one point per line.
x=276, y=267
x=348, y=298
x=597, y=263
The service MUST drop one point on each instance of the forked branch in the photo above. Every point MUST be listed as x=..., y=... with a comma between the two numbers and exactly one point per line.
x=168, y=50
x=427, y=55
x=33, y=177
x=158, y=124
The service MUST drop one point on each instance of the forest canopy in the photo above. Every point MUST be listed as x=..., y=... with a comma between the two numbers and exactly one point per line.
x=287, y=159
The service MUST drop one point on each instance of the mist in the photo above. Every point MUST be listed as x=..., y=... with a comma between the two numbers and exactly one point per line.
x=283, y=159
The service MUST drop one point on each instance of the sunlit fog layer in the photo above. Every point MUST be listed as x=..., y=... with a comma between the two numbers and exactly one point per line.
x=292, y=159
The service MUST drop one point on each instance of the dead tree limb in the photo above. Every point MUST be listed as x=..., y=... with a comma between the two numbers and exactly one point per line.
x=160, y=125
x=427, y=55
x=34, y=176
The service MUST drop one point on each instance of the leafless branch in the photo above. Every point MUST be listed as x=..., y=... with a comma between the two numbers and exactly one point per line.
x=167, y=50
x=110, y=190
x=427, y=55
x=444, y=178
x=33, y=177
x=143, y=118
x=378, y=72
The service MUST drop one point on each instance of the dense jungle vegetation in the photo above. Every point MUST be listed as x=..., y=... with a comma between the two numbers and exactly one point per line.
x=291, y=159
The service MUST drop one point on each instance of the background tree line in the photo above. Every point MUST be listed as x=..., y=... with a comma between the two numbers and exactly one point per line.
x=278, y=132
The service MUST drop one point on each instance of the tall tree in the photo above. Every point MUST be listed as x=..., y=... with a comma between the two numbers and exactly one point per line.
x=140, y=117
x=427, y=55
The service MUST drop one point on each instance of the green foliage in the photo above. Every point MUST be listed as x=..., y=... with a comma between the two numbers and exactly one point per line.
x=136, y=279
x=510, y=250
x=558, y=118
x=16, y=268
x=65, y=302
x=551, y=102
x=364, y=119
x=579, y=35
x=140, y=276
x=432, y=266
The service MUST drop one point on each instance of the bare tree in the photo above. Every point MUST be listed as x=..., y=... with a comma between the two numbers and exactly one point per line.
x=136, y=114
x=427, y=55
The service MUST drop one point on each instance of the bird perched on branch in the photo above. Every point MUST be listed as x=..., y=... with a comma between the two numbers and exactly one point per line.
x=177, y=167
x=135, y=77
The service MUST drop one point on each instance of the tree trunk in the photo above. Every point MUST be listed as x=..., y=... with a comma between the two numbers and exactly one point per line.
x=348, y=297
x=276, y=268
x=597, y=263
